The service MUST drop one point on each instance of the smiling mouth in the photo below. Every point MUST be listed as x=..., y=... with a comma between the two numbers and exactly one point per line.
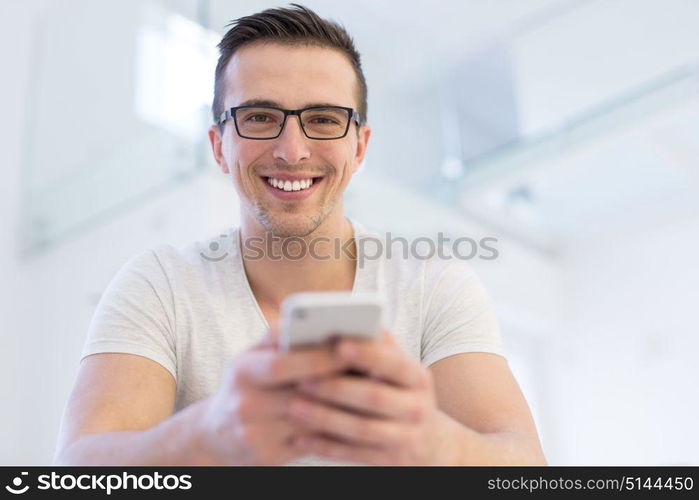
x=292, y=186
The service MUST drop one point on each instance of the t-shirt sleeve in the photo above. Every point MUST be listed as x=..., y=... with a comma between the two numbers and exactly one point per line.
x=459, y=316
x=135, y=314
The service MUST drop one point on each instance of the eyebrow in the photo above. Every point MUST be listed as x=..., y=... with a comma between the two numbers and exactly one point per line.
x=267, y=102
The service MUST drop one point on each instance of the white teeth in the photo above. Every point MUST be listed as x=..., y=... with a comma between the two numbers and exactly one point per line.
x=290, y=185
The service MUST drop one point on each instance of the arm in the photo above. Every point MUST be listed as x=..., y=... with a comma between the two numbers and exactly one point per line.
x=120, y=413
x=489, y=416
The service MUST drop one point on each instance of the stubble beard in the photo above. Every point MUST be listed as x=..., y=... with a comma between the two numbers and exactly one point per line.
x=287, y=224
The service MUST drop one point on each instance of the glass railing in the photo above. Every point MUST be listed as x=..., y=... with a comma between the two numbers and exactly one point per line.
x=119, y=105
x=677, y=89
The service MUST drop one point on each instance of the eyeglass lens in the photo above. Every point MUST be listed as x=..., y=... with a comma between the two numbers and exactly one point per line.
x=319, y=123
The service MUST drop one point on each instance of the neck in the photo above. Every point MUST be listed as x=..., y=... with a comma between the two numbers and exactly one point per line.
x=320, y=261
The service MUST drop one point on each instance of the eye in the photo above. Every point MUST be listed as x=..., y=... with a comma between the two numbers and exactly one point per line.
x=327, y=120
x=324, y=119
x=252, y=118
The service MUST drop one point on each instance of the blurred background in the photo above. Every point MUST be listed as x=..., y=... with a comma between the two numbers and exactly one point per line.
x=567, y=129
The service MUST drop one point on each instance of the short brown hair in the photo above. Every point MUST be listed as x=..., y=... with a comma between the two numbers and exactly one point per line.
x=288, y=26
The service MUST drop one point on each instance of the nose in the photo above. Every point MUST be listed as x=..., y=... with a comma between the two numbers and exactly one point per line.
x=292, y=145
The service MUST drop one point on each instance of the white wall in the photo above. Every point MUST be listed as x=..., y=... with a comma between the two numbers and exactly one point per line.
x=621, y=367
x=625, y=366
x=11, y=95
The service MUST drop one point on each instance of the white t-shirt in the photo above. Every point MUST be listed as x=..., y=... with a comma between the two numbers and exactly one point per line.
x=191, y=309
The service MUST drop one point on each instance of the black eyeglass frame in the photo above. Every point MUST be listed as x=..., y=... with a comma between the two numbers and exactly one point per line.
x=351, y=113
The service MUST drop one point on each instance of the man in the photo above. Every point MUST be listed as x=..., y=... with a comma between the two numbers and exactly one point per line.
x=194, y=330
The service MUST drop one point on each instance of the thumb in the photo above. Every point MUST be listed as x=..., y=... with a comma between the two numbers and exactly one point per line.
x=387, y=337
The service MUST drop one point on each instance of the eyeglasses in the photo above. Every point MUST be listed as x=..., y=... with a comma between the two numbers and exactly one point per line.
x=267, y=122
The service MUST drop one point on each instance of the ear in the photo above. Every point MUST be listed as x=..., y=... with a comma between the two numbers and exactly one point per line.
x=362, y=143
x=216, y=141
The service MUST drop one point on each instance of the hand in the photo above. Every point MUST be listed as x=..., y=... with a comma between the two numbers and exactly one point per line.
x=246, y=421
x=388, y=418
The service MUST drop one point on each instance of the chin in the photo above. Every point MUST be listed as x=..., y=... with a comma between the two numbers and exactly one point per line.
x=285, y=225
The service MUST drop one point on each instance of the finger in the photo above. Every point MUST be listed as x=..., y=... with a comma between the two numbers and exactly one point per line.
x=386, y=337
x=269, y=368
x=271, y=442
x=279, y=431
x=353, y=427
x=383, y=360
x=324, y=446
x=263, y=404
x=366, y=395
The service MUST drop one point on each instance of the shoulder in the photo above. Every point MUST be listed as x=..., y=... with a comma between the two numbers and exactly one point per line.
x=167, y=264
x=197, y=255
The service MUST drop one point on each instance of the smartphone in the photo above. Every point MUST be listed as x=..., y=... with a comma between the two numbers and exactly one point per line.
x=314, y=318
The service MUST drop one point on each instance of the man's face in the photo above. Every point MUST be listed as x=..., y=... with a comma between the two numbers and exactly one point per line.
x=293, y=77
